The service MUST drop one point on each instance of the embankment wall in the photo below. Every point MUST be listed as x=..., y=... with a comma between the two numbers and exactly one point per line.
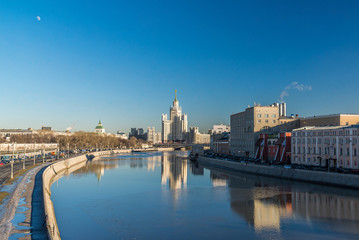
x=56, y=171
x=324, y=178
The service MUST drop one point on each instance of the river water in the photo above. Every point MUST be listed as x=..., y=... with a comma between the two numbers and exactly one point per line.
x=160, y=195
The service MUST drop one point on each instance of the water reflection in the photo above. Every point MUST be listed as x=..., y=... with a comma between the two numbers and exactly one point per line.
x=218, y=180
x=267, y=205
x=173, y=171
x=98, y=168
x=205, y=200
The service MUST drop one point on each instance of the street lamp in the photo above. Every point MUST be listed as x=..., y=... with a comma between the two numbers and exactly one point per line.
x=34, y=153
x=12, y=161
x=24, y=159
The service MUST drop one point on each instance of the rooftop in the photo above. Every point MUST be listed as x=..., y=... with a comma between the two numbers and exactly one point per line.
x=332, y=115
x=312, y=128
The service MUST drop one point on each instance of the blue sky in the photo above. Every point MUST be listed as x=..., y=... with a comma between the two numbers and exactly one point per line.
x=120, y=61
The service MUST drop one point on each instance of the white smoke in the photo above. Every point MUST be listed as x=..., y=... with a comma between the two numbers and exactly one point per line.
x=38, y=18
x=294, y=85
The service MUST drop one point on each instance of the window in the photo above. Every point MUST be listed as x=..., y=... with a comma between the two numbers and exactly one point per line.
x=354, y=152
x=259, y=115
x=274, y=121
x=274, y=115
x=259, y=121
x=266, y=120
x=303, y=150
x=308, y=150
x=266, y=115
x=348, y=152
x=320, y=150
x=341, y=152
x=335, y=151
x=293, y=149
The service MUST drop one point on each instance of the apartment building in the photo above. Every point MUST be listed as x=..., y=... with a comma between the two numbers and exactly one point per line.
x=247, y=125
x=320, y=146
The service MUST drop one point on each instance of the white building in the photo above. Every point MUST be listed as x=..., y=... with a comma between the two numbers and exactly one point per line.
x=153, y=136
x=195, y=137
x=99, y=128
x=318, y=146
x=219, y=129
x=121, y=135
x=175, y=128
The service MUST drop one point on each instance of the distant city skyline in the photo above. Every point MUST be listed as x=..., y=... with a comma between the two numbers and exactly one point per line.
x=75, y=63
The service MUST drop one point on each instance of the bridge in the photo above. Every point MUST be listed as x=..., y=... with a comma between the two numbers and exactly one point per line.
x=179, y=146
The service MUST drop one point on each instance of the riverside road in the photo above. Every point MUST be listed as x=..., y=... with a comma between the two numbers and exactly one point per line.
x=6, y=168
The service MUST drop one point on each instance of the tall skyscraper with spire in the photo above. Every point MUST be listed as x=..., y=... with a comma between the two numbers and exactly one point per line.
x=176, y=127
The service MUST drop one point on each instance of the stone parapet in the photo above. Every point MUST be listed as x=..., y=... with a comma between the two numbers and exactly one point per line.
x=323, y=178
x=56, y=171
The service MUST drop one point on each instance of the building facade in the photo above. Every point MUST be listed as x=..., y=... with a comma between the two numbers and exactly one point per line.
x=330, y=120
x=138, y=133
x=175, y=128
x=153, y=136
x=274, y=148
x=220, y=144
x=121, y=135
x=195, y=137
x=99, y=128
x=219, y=129
x=336, y=146
x=247, y=125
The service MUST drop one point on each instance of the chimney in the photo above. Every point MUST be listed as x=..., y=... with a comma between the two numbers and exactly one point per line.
x=284, y=109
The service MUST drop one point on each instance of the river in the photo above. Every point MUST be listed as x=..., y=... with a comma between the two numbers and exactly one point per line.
x=160, y=195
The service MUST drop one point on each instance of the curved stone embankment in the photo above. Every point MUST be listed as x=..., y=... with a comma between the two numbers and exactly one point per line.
x=324, y=178
x=56, y=171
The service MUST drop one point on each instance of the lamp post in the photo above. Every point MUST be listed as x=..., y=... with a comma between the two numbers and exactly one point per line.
x=12, y=162
x=35, y=153
x=24, y=159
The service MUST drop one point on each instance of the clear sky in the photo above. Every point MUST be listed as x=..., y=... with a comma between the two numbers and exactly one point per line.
x=65, y=62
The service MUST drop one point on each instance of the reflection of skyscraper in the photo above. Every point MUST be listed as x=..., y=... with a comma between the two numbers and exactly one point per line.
x=174, y=171
x=98, y=168
x=218, y=180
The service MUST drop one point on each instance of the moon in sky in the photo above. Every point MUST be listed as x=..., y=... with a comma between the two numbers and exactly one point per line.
x=38, y=18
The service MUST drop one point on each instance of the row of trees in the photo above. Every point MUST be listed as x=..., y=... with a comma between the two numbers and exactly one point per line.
x=78, y=140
